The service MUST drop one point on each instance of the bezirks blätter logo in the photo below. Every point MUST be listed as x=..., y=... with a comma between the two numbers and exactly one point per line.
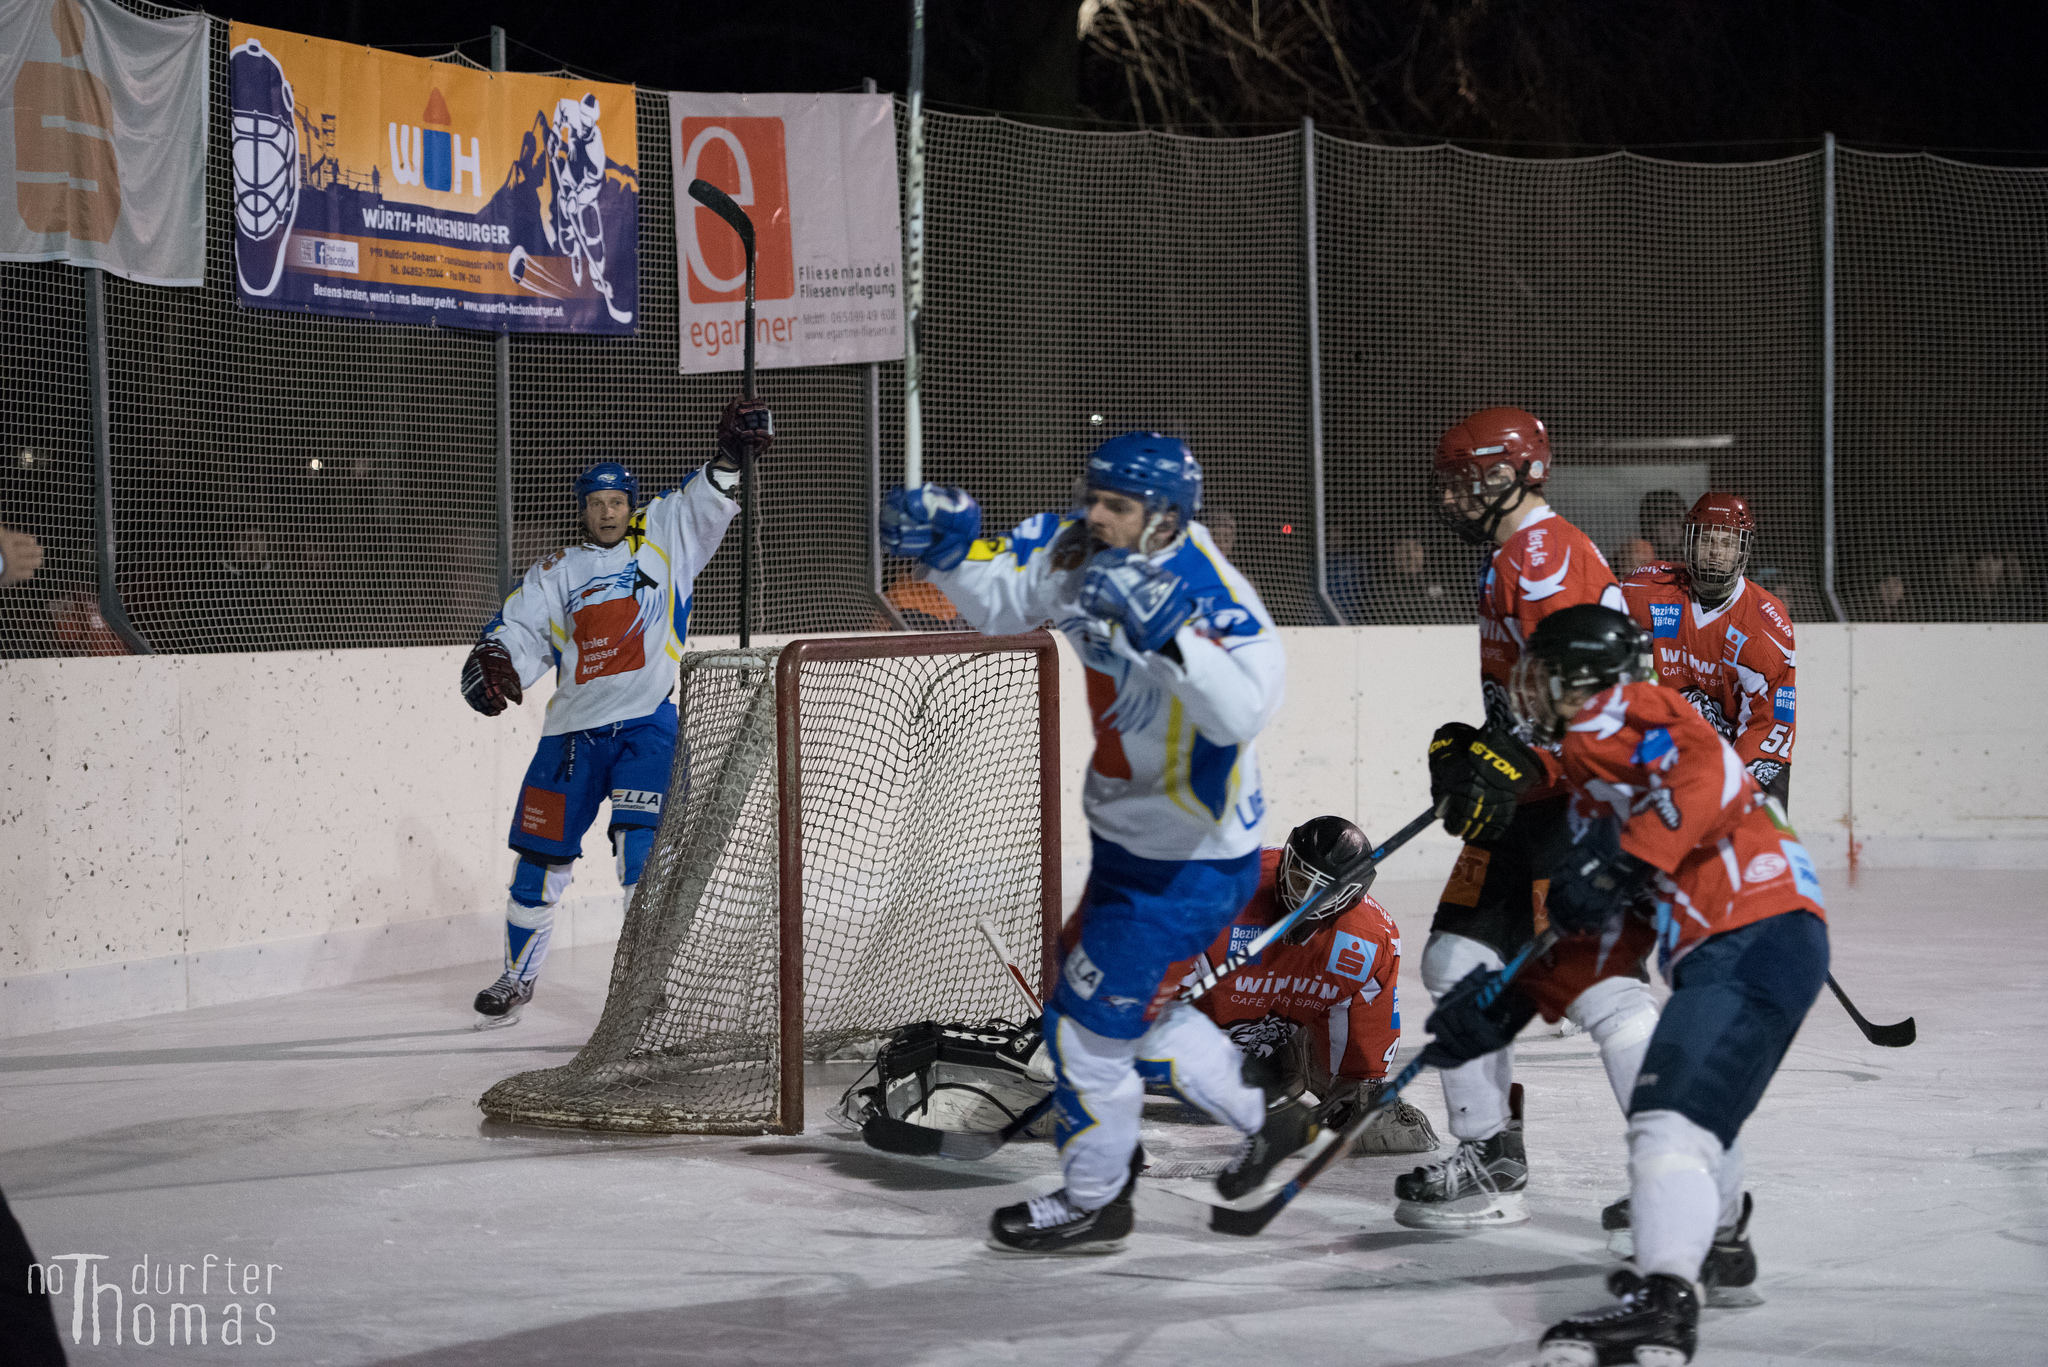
x=744, y=158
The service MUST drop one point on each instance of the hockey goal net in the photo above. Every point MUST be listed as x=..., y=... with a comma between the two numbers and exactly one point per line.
x=842, y=812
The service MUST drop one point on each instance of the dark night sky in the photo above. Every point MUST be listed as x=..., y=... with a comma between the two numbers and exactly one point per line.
x=1909, y=73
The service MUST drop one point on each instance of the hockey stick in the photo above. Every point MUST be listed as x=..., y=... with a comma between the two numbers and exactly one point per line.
x=1016, y=974
x=1888, y=1036
x=1207, y=982
x=721, y=203
x=1245, y=1223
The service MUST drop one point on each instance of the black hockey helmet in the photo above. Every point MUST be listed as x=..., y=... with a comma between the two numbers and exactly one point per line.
x=1318, y=852
x=1583, y=648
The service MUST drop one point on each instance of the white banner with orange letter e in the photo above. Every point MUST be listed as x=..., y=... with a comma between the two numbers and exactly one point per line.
x=817, y=175
x=103, y=139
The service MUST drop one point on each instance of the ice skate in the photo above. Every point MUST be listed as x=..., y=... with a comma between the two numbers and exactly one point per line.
x=1656, y=1325
x=1479, y=1184
x=1289, y=1129
x=1049, y=1226
x=499, y=1004
x=1729, y=1273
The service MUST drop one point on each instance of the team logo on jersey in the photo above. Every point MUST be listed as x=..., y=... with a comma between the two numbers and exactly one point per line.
x=1241, y=938
x=1781, y=704
x=630, y=800
x=1764, y=868
x=1081, y=973
x=1351, y=957
x=1803, y=876
x=1664, y=620
x=1731, y=646
x=1665, y=806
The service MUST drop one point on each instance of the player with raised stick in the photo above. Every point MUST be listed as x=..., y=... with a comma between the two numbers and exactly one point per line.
x=1320, y=1010
x=1184, y=670
x=1724, y=640
x=608, y=616
x=1661, y=803
x=1506, y=801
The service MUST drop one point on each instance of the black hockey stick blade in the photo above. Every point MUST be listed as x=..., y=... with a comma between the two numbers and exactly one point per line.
x=1885, y=1036
x=890, y=1135
x=722, y=204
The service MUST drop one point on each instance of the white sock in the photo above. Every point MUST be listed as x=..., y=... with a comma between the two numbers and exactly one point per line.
x=1674, y=1199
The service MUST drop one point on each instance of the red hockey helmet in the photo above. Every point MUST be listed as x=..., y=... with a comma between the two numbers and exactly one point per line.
x=1483, y=464
x=1718, y=533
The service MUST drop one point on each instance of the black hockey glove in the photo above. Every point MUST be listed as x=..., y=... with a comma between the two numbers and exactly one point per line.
x=489, y=680
x=1593, y=879
x=1465, y=1027
x=746, y=427
x=1475, y=777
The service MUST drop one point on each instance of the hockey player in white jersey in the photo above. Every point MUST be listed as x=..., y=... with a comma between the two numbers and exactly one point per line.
x=1184, y=670
x=609, y=617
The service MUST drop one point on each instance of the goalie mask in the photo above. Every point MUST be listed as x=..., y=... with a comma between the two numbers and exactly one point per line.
x=265, y=162
x=1317, y=854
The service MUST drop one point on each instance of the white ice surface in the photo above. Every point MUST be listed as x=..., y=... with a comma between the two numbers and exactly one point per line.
x=1902, y=1195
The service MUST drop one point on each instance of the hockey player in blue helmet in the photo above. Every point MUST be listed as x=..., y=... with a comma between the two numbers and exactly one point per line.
x=608, y=617
x=1184, y=670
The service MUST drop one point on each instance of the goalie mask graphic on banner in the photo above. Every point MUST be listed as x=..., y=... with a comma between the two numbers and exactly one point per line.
x=265, y=158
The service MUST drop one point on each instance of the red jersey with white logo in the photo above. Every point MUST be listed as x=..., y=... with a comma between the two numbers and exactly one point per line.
x=1547, y=565
x=1735, y=662
x=1340, y=983
x=1724, y=856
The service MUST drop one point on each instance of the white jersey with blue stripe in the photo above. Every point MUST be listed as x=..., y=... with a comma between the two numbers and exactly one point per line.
x=1176, y=769
x=610, y=620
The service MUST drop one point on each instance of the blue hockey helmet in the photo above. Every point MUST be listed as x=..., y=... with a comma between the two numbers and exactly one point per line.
x=605, y=475
x=1161, y=470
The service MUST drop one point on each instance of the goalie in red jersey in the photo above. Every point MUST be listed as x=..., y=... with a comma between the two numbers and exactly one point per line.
x=1723, y=640
x=1320, y=1010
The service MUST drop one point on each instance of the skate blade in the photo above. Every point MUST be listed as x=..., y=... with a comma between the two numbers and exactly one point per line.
x=1485, y=1211
x=484, y=1022
x=1733, y=1297
x=1207, y=1169
x=1087, y=1250
x=1622, y=1243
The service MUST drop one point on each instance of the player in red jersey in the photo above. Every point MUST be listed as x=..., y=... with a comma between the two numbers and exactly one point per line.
x=1321, y=1009
x=1506, y=803
x=1662, y=805
x=1722, y=639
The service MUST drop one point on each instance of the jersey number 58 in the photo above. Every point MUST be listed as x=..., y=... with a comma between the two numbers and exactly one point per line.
x=1779, y=742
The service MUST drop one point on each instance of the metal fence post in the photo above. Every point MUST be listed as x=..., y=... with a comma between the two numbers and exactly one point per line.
x=99, y=420
x=1315, y=369
x=1827, y=378
x=502, y=353
x=874, y=426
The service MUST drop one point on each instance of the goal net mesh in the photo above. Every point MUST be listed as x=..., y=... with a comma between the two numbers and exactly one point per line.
x=920, y=806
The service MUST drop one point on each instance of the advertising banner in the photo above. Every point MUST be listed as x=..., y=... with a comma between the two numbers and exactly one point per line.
x=374, y=185
x=817, y=175
x=103, y=139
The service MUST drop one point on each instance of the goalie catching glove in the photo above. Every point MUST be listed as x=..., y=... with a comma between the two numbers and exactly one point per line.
x=1475, y=777
x=489, y=679
x=930, y=1079
x=933, y=523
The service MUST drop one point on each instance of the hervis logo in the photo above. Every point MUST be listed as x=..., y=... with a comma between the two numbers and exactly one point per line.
x=429, y=154
x=744, y=158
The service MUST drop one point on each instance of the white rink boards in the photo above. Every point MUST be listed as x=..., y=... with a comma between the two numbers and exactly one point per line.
x=331, y=1137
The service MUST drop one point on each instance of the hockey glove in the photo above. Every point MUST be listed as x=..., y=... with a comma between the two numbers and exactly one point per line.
x=745, y=428
x=1147, y=600
x=1467, y=1027
x=1593, y=879
x=1475, y=777
x=488, y=679
x=932, y=523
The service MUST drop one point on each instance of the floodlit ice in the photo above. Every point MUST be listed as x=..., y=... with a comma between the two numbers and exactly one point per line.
x=333, y=1138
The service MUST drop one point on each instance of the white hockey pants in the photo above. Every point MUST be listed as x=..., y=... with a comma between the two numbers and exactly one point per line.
x=1102, y=1093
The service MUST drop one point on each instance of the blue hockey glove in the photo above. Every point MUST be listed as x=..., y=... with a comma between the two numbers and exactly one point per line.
x=933, y=523
x=1148, y=600
x=1593, y=879
x=1465, y=1028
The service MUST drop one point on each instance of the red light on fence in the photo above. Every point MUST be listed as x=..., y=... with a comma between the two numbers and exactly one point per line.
x=1287, y=529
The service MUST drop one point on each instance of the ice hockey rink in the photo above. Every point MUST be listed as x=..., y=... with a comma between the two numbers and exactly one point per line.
x=332, y=1139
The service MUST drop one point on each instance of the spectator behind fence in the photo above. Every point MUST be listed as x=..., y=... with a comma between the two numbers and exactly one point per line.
x=1987, y=587
x=1348, y=573
x=236, y=601
x=1414, y=590
x=1660, y=532
x=1222, y=525
x=21, y=555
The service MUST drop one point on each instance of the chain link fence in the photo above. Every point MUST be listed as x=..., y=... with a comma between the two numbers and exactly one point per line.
x=289, y=482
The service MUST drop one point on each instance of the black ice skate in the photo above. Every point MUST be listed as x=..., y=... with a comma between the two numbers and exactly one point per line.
x=498, y=1005
x=1289, y=1129
x=1479, y=1184
x=1729, y=1273
x=1049, y=1226
x=1656, y=1325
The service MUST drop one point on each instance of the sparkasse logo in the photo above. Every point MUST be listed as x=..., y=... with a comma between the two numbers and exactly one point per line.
x=744, y=158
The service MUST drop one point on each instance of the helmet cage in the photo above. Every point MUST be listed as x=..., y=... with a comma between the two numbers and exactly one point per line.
x=1490, y=487
x=1716, y=583
x=1297, y=880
